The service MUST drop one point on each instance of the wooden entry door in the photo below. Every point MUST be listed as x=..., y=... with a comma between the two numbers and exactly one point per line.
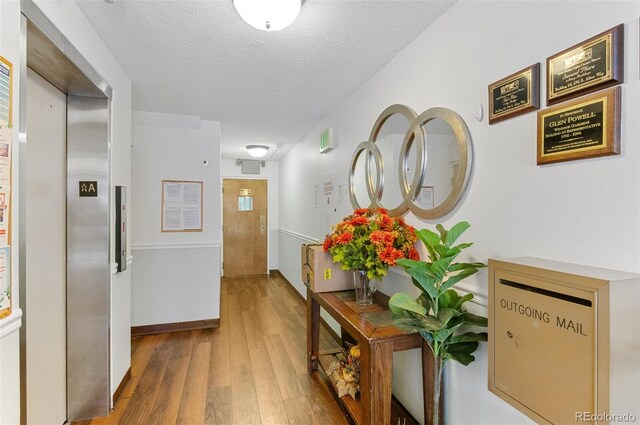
x=244, y=227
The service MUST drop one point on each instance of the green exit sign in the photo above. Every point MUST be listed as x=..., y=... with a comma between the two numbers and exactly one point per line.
x=326, y=140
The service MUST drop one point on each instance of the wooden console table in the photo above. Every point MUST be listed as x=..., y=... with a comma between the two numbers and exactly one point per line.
x=377, y=344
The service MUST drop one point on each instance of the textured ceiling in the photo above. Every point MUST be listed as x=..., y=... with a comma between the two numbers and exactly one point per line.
x=199, y=58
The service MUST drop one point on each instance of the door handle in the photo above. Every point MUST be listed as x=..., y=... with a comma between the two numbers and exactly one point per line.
x=263, y=224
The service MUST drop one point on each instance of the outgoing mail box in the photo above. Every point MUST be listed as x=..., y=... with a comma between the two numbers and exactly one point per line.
x=564, y=341
x=320, y=273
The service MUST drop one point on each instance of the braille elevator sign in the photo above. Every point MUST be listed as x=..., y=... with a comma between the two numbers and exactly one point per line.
x=88, y=189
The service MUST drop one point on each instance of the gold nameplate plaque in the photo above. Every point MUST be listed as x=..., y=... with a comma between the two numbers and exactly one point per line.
x=514, y=95
x=584, y=128
x=594, y=64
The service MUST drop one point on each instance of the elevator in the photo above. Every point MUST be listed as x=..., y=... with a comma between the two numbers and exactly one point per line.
x=64, y=228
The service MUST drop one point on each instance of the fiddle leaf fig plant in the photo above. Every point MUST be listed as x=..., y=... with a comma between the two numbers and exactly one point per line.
x=438, y=313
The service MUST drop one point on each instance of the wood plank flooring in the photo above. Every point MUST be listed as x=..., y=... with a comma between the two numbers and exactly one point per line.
x=250, y=370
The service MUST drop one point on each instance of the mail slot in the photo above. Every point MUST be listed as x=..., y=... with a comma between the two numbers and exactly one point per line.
x=564, y=341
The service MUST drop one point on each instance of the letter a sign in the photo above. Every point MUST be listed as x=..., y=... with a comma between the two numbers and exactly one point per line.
x=88, y=189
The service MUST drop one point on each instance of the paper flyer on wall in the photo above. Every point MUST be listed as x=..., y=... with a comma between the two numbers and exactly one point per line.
x=6, y=135
x=5, y=92
x=182, y=206
x=5, y=281
x=4, y=215
x=5, y=183
x=329, y=201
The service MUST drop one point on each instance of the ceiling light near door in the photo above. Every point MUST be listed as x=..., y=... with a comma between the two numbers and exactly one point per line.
x=268, y=15
x=257, y=151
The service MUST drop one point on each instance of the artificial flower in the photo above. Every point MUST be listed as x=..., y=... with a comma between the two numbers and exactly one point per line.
x=371, y=240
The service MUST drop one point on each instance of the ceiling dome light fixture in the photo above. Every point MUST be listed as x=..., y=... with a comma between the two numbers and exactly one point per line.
x=268, y=15
x=257, y=151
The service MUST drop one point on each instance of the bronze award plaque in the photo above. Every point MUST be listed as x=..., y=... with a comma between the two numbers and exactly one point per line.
x=584, y=128
x=514, y=95
x=591, y=65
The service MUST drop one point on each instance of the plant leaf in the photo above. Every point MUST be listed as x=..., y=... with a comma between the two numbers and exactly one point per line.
x=455, y=232
x=461, y=352
x=448, y=299
x=440, y=267
x=406, y=263
x=472, y=319
x=442, y=231
x=445, y=251
x=462, y=347
x=463, y=246
x=463, y=358
x=406, y=324
x=461, y=266
x=458, y=319
x=468, y=337
x=457, y=278
x=427, y=335
x=443, y=334
x=444, y=316
x=428, y=237
x=461, y=300
x=401, y=301
x=424, y=300
x=426, y=282
x=431, y=323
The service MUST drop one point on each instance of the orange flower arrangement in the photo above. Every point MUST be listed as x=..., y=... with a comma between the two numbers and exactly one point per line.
x=371, y=240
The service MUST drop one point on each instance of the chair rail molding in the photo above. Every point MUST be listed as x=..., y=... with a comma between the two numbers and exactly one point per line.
x=11, y=323
x=298, y=235
x=141, y=247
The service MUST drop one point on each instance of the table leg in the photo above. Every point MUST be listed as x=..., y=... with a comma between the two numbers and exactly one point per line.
x=376, y=370
x=313, y=332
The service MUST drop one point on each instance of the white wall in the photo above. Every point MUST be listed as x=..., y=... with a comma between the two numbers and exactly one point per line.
x=9, y=326
x=584, y=212
x=176, y=276
x=229, y=169
x=68, y=18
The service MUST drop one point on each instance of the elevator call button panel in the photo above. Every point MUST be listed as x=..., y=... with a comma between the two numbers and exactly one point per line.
x=121, y=228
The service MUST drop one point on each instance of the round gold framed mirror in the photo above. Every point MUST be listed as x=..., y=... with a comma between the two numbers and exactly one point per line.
x=392, y=145
x=448, y=146
x=412, y=162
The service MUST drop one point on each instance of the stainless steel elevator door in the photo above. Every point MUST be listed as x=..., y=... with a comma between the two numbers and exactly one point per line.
x=88, y=259
x=46, y=223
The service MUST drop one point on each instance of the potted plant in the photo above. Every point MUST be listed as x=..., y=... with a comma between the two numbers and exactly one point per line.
x=368, y=242
x=438, y=313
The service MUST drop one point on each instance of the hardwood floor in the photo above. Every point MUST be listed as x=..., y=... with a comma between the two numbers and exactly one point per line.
x=250, y=370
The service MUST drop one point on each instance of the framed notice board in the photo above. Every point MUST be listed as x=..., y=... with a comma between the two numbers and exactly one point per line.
x=182, y=206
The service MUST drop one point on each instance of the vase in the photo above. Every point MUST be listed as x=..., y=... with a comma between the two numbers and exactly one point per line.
x=364, y=286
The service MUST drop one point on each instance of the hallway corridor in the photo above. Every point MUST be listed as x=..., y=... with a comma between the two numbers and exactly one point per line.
x=250, y=370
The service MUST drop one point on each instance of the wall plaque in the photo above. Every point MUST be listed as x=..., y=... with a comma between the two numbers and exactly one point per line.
x=584, y=128
x=88, y=189
x=514, y=95
x=591, y=65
